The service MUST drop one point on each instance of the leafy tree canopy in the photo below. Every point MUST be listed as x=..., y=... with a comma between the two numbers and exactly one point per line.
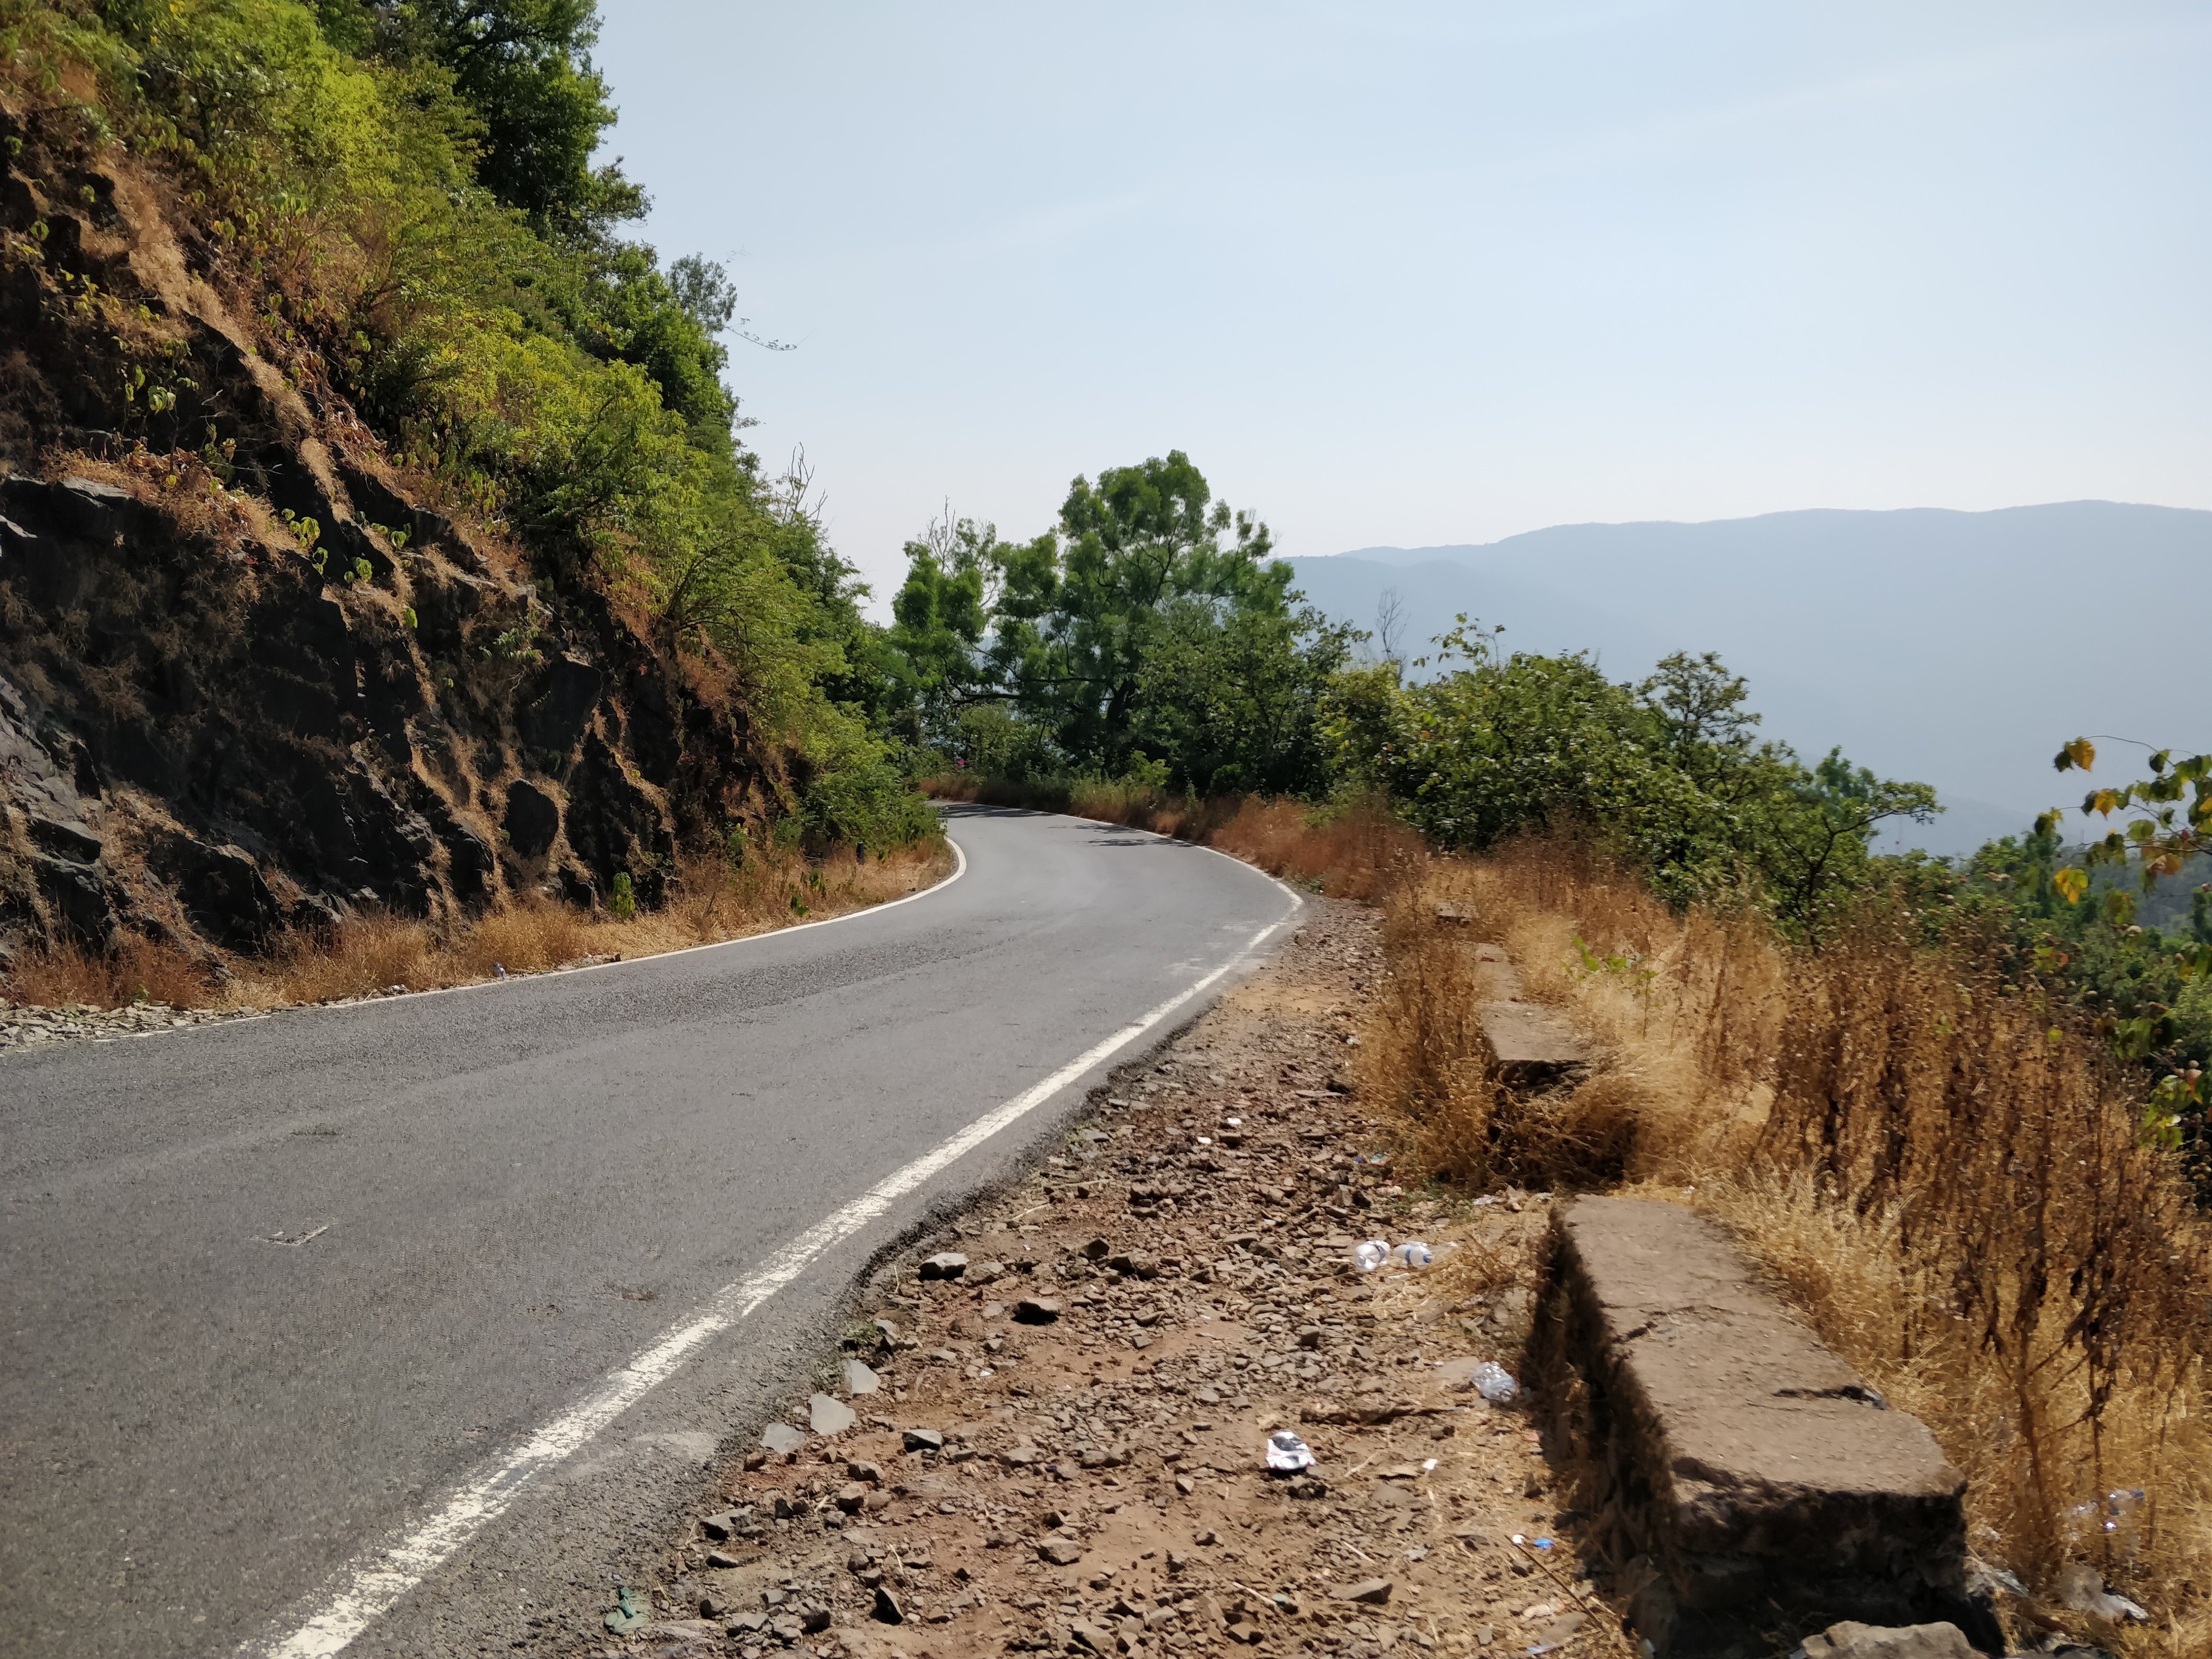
x=1150, y=628
x=524, y=67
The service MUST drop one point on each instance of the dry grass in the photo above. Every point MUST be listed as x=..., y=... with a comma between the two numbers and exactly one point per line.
x=372, y=952
x=1949, y=1178
x=138, y=971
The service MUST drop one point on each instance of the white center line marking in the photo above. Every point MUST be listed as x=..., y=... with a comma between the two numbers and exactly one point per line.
x=371, y=1585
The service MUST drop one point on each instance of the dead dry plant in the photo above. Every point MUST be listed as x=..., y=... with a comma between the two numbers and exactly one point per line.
x=136, y=971
x=1949, y=1177
x=372, y=952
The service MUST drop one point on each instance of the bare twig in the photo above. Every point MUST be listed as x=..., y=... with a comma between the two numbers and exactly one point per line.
x=1612, y=1627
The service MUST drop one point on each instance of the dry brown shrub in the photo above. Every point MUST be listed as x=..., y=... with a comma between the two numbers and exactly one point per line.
x=370, y=952
x=1431, y=1060
x=1950, y=1178
x=363, y=954
x=525, y=937
x=1360, y=852
x=137, y=970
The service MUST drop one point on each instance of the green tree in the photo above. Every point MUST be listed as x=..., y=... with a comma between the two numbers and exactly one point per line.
x=524, y=68
x=1668, y=772
x=1078, y=613
x=1813, y=832
x=2167, y=817
x=938, y=618
x=1230, y=696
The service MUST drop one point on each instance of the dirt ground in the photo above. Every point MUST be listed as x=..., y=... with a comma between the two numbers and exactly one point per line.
x=1098, y=1481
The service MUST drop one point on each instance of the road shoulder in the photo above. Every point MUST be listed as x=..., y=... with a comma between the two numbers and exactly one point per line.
x=1058, y=1441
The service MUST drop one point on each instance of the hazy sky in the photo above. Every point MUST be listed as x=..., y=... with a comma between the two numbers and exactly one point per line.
x=1413, y=274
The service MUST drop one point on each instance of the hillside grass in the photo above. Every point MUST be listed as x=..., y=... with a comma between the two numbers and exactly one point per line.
x=1951, y=1178
x=372, y=952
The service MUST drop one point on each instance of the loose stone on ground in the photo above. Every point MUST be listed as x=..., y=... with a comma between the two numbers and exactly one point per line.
x=1065, y=1448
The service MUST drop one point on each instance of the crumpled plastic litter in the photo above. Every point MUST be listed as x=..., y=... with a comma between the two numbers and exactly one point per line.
x=1495, y=1383
x=499, y=970
x=1412, y=1254
x=1371, y=1254
x=1287, y=1453
x=627, y=1612
x=2082, y=1588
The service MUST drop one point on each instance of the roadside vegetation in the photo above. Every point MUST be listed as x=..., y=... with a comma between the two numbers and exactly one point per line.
x=1959, y=1105
x=1956, y=1105
x=709, y=902
x=409, y=192
x=399, y=207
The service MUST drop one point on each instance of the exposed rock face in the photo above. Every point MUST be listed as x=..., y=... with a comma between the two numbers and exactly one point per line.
x=556, y=722
x=221, y=887
x=55, y=854
x=1736, y=1470
x=212, y=728
x=533, y=819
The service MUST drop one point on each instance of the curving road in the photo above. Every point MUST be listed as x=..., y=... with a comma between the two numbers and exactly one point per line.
x=571, y=1229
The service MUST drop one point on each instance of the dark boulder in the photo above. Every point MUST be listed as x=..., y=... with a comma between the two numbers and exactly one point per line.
x=374, y=500
x=83, y=508
x=558, y=718
x=614, y=825
x=444, y=607
x=470, y=863
x=65, y=839
x=348, y=541
x=221, y=888
x=532, y=819
x=80, y=896
x=359, y=840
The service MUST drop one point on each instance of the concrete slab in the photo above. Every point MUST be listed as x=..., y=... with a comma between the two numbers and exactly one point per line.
x=1531, y=1048
x=1733, y=1466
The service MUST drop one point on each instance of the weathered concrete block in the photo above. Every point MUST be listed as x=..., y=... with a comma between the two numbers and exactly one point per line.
x=1531, y=1048
x=1744, y=1477
x=1849, y=1640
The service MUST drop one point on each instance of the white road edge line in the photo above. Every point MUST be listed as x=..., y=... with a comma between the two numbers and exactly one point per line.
x=371, y=1586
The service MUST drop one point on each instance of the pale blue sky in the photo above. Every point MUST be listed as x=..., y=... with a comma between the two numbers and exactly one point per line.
x=1412, y=274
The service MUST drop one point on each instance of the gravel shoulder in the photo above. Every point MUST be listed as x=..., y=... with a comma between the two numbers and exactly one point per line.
x=1048, y=1429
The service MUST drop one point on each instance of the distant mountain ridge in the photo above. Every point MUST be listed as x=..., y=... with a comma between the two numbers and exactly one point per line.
x=1956, y=647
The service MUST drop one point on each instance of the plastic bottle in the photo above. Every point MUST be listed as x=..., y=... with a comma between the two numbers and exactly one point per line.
x=1412, y=1254
x=1495, y=1383
x=1370, y=1255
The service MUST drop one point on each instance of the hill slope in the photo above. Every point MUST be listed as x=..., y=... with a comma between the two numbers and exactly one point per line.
x=1959, y=648
x=373, y=532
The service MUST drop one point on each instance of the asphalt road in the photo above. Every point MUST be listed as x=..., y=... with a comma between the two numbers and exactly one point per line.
x=521, y=1189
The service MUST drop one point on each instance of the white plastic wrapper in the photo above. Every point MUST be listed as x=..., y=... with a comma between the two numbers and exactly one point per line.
x=1287, y=1453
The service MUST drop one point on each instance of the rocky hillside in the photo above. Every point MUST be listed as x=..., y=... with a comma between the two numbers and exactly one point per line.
x=253, y=675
